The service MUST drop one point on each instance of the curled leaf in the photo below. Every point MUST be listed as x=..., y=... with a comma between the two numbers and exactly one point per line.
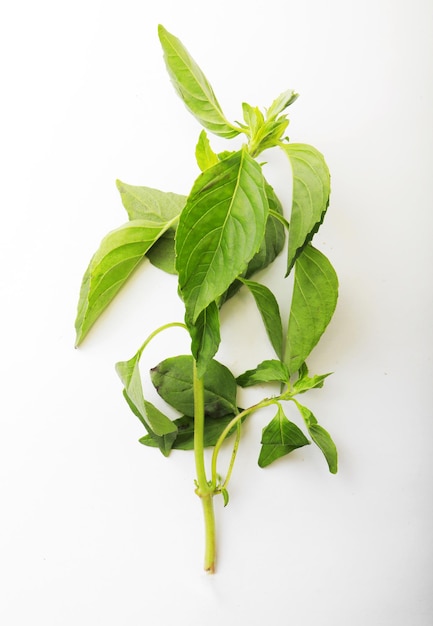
x=160, y=428
x=321, y=438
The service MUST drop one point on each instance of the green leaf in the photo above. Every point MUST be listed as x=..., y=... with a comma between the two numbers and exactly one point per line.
x=150, y=204
x=310, y=196
x=204, y=154
x=315, y=294
x=205, y=337
x=253, y=118
x=281, y=103
x=162, y=254
x=274, y=239
x=225, y=495
x=193, y=87
x=321, y=438
x=280, y=437
x=185, y=436
x=162, y=430
x=220, y=229
x=270, y=313
x=117, y=257
x=304, y=383
x=173, y=380
x=163, y=442
x=271, y=246
x=269, y=371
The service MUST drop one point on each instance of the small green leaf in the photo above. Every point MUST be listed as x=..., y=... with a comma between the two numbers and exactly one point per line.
x=146, y=203
x=270, y=371
x=220, y=229
x=304, y=383
x=185, y=434
x=204, y=154
x=118, y=255
x=321, y=438
x=270, y=313
x=310, y=196
x=253, y=118
x=205, y=337
x=281, y=103
x=315, y=294
x=165, y=441
x=225, y=495
x=162, y=430
x=193, y=87
x=173, y=380
x=280, y=437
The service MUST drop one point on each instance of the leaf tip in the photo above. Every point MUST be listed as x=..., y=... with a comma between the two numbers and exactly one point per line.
x=161, y=31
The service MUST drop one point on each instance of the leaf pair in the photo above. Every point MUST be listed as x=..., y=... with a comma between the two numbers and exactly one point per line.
x=153, y=217
x=281, y=436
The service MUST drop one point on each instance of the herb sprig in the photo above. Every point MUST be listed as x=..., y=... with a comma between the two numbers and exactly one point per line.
x=229, y=227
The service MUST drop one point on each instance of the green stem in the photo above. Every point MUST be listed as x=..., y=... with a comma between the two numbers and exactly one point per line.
x=210, y=535
x=159, y=330
x=236, y=420
x=204, y=490
x=233, y=457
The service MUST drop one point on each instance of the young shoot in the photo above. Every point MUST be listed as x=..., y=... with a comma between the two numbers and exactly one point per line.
x=215, y=240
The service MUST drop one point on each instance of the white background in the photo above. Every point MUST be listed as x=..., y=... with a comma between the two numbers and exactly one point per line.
x=97, y=529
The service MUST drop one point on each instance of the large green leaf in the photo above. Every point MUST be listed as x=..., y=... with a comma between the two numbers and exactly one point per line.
x=315, y=294
x=116, y=258
x=270, y=312
x=220, y=229
x=146, y=203
x=310, y=196
x=173, y=380
x=280, y=437
x=193, y=87
x=160, y=428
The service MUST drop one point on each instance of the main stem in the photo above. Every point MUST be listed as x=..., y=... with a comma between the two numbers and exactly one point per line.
x=204, y=490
